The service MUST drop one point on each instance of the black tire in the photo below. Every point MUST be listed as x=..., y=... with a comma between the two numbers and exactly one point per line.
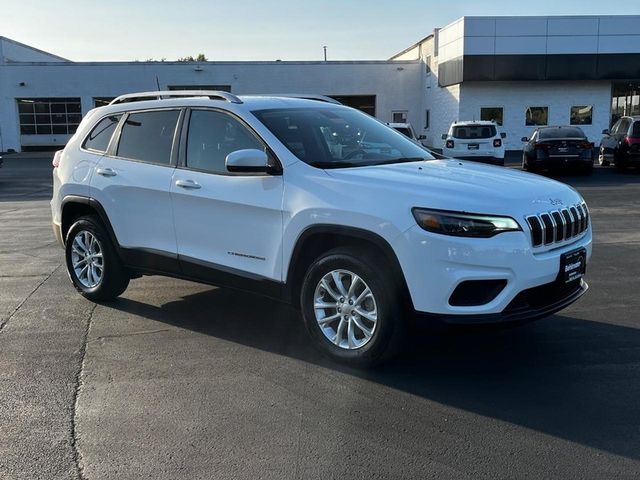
x=114, y=280
x=389, y=331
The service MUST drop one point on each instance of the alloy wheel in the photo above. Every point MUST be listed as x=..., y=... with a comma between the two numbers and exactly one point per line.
x=87, y=259
x=345, y=309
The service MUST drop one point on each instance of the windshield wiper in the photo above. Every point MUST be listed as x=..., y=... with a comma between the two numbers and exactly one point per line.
x=399, y=160
x=335, y=164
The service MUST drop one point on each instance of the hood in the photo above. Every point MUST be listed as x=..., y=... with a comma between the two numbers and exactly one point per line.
x=463, y=186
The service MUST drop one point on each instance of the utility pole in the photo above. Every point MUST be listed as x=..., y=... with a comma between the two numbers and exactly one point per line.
x=325, y=52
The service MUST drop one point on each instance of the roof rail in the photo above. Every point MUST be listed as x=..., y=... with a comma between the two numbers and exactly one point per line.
x=304, y=96
x=159, y=95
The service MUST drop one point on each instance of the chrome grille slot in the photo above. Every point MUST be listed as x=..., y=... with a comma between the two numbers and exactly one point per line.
x=558, y=225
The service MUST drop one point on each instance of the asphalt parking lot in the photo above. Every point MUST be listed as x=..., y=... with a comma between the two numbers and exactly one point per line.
x=179, y=380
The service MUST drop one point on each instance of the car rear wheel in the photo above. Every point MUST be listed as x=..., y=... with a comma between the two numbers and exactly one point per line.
x=92, y=262
x=351, y=309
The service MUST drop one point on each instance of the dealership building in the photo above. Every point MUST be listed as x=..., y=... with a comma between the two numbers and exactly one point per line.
x=519, y=71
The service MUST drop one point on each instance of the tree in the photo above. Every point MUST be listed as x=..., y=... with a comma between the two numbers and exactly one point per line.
x=200, y=58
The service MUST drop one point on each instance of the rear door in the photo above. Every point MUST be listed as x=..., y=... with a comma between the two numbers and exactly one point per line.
x=132, y=182
x=225, y=222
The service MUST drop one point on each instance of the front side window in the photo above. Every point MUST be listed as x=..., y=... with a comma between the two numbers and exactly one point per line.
x=624, y=125
x=148, y=136
x=492, y=114
x=49, y=116
x=212, y=136
x=99, y=138
x=537, y=116
x=581, y=115
x=474, y=131
x=336, y=137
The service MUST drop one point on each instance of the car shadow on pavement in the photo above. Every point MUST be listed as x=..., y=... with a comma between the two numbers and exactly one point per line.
x=570, y=378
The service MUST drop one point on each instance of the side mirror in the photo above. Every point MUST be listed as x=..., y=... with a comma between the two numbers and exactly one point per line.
x=605, y=131
x=503, y=135
x=248, y=161
x=444, y=136
x=524, y=139
x=422, y=137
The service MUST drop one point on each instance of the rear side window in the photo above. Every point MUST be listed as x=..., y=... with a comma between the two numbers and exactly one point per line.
x=474, y=131
x=148, y=136
x=214, y=135
x=561, y=132
x=99, y=138
x=636, y=129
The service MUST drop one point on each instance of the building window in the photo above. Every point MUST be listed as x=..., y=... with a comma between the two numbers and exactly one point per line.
x=49, y=116
x=581, y=115
x=537, y=116
x=492, y=114
x=399, y=117
x=102, y=101
x=427, y=61
x=427, y=119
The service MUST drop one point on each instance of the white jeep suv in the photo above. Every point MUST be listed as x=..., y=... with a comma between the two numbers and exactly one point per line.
x=317, y=204
x=476, y=140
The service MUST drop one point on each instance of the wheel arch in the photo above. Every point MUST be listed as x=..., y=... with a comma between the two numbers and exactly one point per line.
x=317, y=239
x=76, y=206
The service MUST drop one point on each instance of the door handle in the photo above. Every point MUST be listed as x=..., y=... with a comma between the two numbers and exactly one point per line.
x=106, y=172
x=190, y=184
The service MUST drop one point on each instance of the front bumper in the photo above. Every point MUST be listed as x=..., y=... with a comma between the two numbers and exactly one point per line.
x=526, y=312
x=435, y=265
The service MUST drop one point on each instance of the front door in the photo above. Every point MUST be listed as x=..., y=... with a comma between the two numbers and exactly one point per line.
x=225, y=222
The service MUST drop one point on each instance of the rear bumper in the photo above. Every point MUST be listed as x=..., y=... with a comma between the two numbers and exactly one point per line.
x=520, y=310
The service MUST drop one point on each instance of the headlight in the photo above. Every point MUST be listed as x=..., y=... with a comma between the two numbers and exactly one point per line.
x=463, y=224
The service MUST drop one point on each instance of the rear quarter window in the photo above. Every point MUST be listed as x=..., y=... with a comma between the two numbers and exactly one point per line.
x=100, y=136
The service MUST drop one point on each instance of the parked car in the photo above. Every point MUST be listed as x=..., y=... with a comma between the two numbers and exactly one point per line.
x=557, y=148
x=621, y=145
x=407, y=130
x=316, y=204
x=476, y=140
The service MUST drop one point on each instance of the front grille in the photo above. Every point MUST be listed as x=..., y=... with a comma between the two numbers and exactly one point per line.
x=558, y=225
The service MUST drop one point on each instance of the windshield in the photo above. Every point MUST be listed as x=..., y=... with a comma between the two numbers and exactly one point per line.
x=561, y=132
x=474, y=131
x=405, y=131
x=339, y=137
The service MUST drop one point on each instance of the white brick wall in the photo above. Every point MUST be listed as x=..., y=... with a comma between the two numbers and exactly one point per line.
x=515, y=97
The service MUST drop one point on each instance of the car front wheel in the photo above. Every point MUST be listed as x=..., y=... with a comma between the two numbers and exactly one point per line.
x=92, y=262
x=352, y=309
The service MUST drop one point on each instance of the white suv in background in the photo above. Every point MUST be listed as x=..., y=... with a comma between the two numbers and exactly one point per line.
x=317, y=204
x=476, y=140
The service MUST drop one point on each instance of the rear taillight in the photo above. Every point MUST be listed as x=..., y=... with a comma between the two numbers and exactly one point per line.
x=542, y=146
x=56, y=159
x=497, y=143
x=585, y=145
x=631, y=140
x=450, y=144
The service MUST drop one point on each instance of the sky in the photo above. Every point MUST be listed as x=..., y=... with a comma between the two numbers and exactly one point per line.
x=100, y=30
